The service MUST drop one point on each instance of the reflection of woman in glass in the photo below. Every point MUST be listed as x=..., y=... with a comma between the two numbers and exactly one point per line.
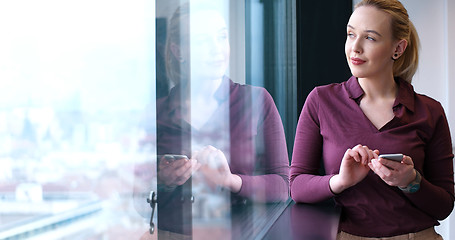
x=209, y=104
x=377, y=112
x=231, y=134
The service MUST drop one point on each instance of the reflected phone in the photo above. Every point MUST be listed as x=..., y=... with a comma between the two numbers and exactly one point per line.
x=172, y=157
x=398, y=157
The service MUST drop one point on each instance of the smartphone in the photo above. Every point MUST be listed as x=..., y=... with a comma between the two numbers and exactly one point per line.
x=171, y=157
x=398, y=157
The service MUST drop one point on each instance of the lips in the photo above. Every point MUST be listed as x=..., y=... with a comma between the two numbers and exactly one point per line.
x=357, y=61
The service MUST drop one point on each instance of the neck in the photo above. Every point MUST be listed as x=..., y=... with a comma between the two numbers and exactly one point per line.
x=205, y=89
x=376, y=88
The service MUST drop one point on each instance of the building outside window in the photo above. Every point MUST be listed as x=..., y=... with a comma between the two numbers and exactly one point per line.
x=82, y=83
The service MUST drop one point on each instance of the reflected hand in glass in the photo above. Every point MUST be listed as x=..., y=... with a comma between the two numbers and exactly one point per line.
x=175, y=170
x=215, y=168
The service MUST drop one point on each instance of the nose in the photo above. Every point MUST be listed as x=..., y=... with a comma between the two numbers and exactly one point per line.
x=356, y=46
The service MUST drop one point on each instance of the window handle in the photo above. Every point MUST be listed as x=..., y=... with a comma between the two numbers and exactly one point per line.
x=152, y=201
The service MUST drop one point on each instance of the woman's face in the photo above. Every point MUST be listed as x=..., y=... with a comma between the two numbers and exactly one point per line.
x=209, y=46
x=369, y=45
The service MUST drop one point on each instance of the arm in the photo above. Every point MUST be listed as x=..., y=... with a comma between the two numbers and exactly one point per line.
x=435, y=196
x=436, y=193
x=305, y=183
x=270, y=181
x=259, y=167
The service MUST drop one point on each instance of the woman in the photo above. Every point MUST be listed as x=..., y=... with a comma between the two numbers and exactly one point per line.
x=222, y=119
x=376, y=112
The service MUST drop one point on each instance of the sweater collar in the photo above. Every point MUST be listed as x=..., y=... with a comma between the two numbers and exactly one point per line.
x=405, y=92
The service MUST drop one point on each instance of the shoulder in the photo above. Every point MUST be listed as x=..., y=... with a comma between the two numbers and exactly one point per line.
x=321, y=99
x=349, y=88
x=329, y=88
x=426, y=103
x=427, y=100
x=417, y=102
x=242, y=89
x=328, y=93
x=245, y=92
x=253, y=101
x=425, y=107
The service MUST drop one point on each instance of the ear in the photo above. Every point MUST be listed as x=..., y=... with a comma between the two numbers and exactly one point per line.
x=400, y=47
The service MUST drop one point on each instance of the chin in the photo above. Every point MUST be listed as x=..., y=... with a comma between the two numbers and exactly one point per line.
x=357, y=73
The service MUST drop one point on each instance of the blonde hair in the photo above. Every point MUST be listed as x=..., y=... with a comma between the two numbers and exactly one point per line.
x=402, y=28
x=176, y=70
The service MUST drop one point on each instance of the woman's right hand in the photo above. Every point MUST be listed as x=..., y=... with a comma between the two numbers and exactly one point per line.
x=354, y=168
x=176, y=172
x=215, y=168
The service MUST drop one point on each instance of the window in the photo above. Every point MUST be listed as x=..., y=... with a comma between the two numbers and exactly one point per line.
x=84, y=125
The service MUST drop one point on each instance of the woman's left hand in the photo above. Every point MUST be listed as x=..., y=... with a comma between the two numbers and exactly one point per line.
x=398, y=174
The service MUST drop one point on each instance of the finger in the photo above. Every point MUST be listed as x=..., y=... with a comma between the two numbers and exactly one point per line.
x=167, y=164
x=370, y=156
x=195, y=165
x=179, y=163
x=351, y=153
x=209, y=149
x=357, y=146
x=185, y=176
x=389, y=163
x=212, y=148
x=375, y=167
x=202, y=155
x=408, y=160
x=195, y=154
x=376, y=153
x=165, y=160
x=370, y=164
x=365, y=155
x=381, y=169
x=163, y=165
x=179, y=171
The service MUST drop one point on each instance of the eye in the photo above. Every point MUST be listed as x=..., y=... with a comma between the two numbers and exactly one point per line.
x=350, y=35
x=370, y=38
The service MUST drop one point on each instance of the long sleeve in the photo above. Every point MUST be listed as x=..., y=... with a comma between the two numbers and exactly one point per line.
x=436, y=194
x=305, y=182
x=270, y=179
x=332, y=121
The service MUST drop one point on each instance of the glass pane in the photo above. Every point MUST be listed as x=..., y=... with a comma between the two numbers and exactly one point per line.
x=222, y=155
x=132, y=120
x=76, y=107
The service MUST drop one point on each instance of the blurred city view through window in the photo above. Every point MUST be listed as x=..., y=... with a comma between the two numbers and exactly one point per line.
x=76, y=101
x=95, y=94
